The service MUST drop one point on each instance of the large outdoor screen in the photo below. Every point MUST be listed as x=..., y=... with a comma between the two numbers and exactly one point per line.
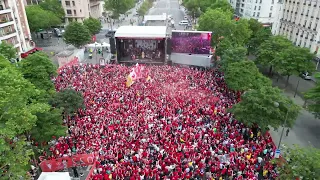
x=191, y=42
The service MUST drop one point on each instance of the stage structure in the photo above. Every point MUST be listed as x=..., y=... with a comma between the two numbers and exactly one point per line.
x=191, y=48
x=141, y=44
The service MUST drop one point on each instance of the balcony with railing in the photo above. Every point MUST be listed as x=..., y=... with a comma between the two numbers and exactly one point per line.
x=6, y=21
x=5, y=35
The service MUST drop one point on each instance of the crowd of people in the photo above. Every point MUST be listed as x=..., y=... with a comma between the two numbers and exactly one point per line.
x=190, y=44
x=172, y=126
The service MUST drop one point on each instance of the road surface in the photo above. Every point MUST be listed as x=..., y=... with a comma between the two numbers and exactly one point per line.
x=170, y=7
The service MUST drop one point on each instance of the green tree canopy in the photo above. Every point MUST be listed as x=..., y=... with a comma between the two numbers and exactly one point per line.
x=244, y=75
x=8, y=51
x=258, y=36
x=145, y=6
x=93, y=25
x=293, y=61
x=16, y=119
x=223, y=26
x=39, y=18
x=217, y=21
x=193, y=7
x=313, y=95
x=49, y=124
x=69, y=100
x=231, y=55
x=300, y=162
x=77, y=34
x=270, y=49
x=39, y=69
x=223, y=5
x=53, y=6
x=118, y=7
x=258, y=107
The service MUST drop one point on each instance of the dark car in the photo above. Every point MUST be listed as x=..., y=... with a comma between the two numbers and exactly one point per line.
x=110, y=33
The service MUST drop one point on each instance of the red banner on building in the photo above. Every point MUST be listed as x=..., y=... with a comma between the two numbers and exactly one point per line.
x=59, y=164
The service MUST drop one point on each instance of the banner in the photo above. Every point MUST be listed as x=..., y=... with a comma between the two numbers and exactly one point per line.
x=58, y=164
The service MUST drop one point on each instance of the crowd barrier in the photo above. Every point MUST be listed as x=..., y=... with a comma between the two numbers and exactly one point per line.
x=57, y=164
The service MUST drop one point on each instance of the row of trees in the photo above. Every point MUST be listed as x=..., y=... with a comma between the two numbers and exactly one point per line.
x=146, y=5
x=261, y=104
x=31, y=112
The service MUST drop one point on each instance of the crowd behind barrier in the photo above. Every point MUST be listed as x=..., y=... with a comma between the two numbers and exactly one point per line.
x=174, y=126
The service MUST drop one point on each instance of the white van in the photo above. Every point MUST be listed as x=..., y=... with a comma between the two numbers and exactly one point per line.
x=184, y=22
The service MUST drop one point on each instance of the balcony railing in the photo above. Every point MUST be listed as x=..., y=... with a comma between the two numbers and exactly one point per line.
x=7, y=33
x=5, y=20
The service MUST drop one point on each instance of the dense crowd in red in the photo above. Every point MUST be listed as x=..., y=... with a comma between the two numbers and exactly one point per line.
x=174, y=126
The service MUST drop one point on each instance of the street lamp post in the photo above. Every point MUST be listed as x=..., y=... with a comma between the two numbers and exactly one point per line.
x=276, y=104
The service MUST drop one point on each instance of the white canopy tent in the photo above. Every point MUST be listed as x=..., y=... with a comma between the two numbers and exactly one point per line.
x=141, y=32
x=54, y=176
x=98, y=45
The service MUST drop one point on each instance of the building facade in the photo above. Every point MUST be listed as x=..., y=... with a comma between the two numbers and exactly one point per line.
x=262, y=10
x=298, y=20
x=78, y=10
x=14, y=27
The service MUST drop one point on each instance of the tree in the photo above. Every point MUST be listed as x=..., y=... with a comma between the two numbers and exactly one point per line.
x=258, y=36
x=16, y=119
x=118, y=7
x=193, y=7
x=270, y=49
x=313, y=95
x=53, y=6
x=8, y=51
x=77, y=34
x=223, y=26
x=223, y=5
x=303, y=163
x=93, y=25
x=146, y=5
x=218, y=22
x=49, y=124
x=231, y=55
x=244, y=75
x=39, y=69
x=69, y=100
x=293, y=61
x=257, y=107
x=41, y=19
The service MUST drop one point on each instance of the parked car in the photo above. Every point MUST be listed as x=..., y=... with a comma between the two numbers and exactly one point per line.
x=306, y=75
x=57, y=32
x=184, y=22
x=110, y=33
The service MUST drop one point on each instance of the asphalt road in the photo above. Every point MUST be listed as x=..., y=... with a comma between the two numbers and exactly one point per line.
x=170, y=7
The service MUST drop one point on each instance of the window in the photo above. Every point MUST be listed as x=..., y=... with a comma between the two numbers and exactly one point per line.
x=258, y=14
x=272, y=2
x=254, y=14
x=69, y=11
x=270, y=14
x=260, y=1
x=255, y=7
x=67, y=3
x=80, y=10
x=73, y=3
x=271, y=8
x=74, y=12
x=259, y=8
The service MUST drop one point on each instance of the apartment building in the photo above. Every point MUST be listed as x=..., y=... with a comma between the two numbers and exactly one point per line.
x=298, y=20
x=78, y=10
x=262, y=10
x=14, y=27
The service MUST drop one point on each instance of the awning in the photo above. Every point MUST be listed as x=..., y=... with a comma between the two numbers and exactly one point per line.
x=24, y=55
x=141, y=32
x=162, y=17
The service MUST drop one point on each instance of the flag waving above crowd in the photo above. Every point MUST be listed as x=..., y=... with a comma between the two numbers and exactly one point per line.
x=138, y=72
